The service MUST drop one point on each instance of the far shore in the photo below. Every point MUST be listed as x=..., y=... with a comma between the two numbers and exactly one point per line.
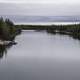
x=70, y=29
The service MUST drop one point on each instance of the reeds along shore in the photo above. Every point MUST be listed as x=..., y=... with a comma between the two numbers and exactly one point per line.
x=71, y=30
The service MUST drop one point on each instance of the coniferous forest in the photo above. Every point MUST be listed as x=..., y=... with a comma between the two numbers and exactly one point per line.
x=8, y=31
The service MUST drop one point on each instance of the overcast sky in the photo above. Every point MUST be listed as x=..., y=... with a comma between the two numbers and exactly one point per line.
x=40, y=7
x=41, y=1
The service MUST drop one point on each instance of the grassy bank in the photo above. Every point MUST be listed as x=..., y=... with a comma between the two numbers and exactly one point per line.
x=71, y=30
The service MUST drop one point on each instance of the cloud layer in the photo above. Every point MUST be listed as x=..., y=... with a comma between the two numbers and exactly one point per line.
x=42, y=1
x=39, y=9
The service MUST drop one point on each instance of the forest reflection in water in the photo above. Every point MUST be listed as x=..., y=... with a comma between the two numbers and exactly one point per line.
x=3, y=50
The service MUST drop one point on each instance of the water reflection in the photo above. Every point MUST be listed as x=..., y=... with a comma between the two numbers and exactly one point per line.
x=3, y=50
x=41, y=56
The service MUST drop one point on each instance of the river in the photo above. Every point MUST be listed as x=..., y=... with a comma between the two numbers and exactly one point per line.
x=41, y=56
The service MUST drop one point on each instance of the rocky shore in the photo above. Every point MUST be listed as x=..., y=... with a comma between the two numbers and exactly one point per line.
x=7, y=43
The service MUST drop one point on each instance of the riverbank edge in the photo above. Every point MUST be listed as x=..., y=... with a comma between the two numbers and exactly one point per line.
x=71, y=30
x=6, y=43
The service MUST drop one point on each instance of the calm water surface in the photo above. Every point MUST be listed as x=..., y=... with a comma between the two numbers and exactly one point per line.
x=41, y=56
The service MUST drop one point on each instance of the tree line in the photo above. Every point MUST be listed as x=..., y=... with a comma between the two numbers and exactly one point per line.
x=8, y=30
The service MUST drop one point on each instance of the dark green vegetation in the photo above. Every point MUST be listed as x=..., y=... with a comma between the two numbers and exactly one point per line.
x=8, y=31
x=71, y=30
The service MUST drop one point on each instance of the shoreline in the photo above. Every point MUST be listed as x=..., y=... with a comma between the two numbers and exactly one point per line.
x=6, y=43
x=72, y=30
